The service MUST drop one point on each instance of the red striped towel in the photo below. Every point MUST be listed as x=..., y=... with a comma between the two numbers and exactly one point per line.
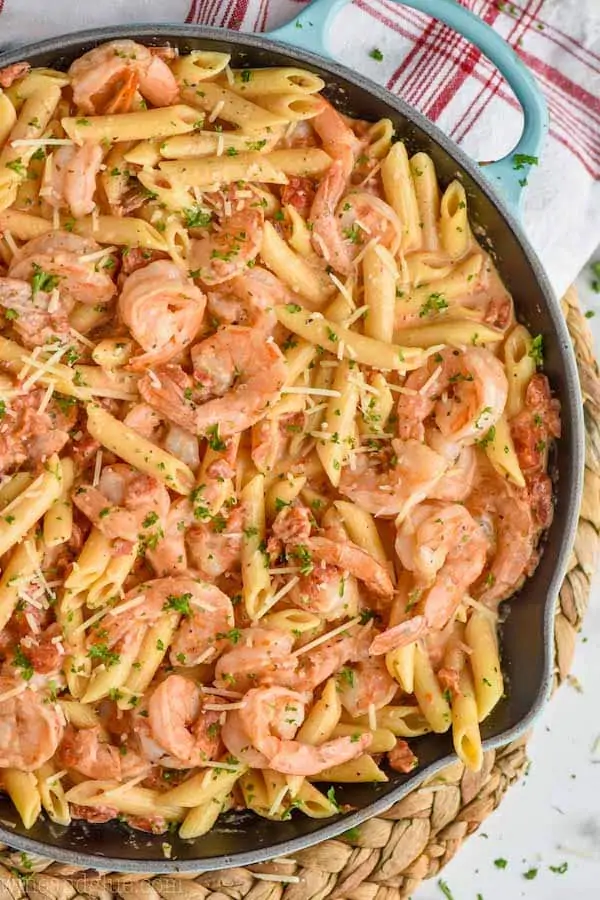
x=437, y=71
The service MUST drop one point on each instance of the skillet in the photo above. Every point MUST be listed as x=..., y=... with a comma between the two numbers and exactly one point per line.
x=494, y=197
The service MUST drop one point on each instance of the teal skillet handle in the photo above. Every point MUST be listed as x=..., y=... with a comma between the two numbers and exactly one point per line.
x=311, y=29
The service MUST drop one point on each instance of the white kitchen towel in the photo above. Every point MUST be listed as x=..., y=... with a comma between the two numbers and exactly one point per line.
x=438, y=72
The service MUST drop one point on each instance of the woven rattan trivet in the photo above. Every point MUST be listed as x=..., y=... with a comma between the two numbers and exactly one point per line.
x=393, y=853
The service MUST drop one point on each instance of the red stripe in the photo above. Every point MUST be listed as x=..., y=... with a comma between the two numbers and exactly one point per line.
x=548, y=29
x=190, y=18
x=456, y=82
x=561, y=81
x=595, y=173
x=474, y=110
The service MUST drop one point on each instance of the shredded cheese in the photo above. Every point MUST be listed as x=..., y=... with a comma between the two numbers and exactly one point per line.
x=97, y=254
x=217, y=692
x=47, y=397
x=315, y=392
x=41, y=142
x=14, y=692
x=271, y=601
x=129, y=604
x=89, y=622
x=327, y=636
x=219, y=707
x=220, y=144
x=12, y=244
x=372, y=717
x=278, y=799
x=346, y=294
x=431, y=380
x=97, y=469
x=216, y=110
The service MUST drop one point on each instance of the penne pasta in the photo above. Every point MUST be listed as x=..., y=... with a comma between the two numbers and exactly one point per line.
x=22, y=788
x=362, y=769
x=256, y=591
x=484, y=660
x=380, y=275
x=454, y=223
x=465, y=728
x=58, y=521
x=400, y=193
x=30, y=505
x=323, y=718
x=137, y=451
x=134, y=126
x=262, y=83
x=308, y=282
x=225, y=105
x=356, y=348
x=434, y=706
x=335, y=447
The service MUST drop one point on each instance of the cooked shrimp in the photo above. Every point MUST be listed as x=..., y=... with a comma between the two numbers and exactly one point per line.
x=272, y=716
x=69, y=180
x=226, y=252
x=393, y=488
x=31, y=728
x=169, y=556
x=215, y=545
x=105, y=79
x=9, y=74
x=88, y=752
x=342, y=144
x=145, y=420
x=328, y=592
x=362, y=217
x=243, y=373
x=506, y=516
x=350, y=558
x=58, y=254
x=126, y=504
x=534, y=427
x=250, y=299
x=27, y=434
x=174, y=706
x=37, y=318
x=456, y=483
x=163, y=310
x=261, y=656
x=445, y=548
x=366, y=684
x=204, y=634
x=466, y=391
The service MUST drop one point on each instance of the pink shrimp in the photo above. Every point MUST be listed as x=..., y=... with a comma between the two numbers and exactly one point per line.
x=505, y=514
x=174, y=706
x=226, y=252
x=350, y=558
x=58, y=255
x=163, y=310
x=27, y=434
x=169, y=556
x=328, y=592
x=393, y=488
x=261, y=656
x=69, y=180
x=250, y=299
x=271, y=717
x=236, y=367
x=215, y=545
x=532, y=431
x=456, y=483
x=207, y=631
x=38, y=318
x=466, y=391
x=88, y=752
x=445, y=548
x=105, y=79
x=366, y=684
x=31, y=728
x=126, y=504
x=9, y=74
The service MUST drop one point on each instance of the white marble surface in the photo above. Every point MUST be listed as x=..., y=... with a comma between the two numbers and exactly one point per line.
x=553, y=816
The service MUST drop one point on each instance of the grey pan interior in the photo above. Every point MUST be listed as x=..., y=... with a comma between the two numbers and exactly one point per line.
x=527, y=642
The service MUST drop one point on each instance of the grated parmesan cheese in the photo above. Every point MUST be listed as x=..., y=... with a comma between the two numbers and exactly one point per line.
x=271, y=601
x=97, y=469
x=372, y=717
x=327, y=636
x=278, y=799
x=42, y=142
x=346, y=294
x=216, y=110
x=97, y=254
x=315, y=392
x=47, y=396
x=129, y=604
x=11, y=243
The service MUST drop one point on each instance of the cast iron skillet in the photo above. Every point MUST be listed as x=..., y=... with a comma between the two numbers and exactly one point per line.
x=527, y=635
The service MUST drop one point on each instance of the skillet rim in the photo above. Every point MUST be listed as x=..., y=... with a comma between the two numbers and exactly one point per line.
x=179, y=32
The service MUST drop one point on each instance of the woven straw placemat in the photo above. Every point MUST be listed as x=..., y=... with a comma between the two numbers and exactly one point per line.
x=393, y=853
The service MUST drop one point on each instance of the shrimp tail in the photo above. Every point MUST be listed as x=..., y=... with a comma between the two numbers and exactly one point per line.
x=399, y=636
x=293, y=758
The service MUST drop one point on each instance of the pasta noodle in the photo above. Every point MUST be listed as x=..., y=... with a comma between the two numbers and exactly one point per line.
x=267, y=426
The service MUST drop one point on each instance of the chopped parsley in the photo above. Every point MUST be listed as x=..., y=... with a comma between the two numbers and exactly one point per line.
x=17, y=166
x=101, y=652
x=595, y=267
x=151, y=519
x=501, y=863
x=434, y=303
x=348, y=675
x=293, y=307
x=280, y=504
x=246, y=75
x=520, y=160
x=443, y=886
x=214, y=441
x=23, y=663
x=487, y=438
x=376, y=54
x=352, y=234
x=179, y=603
x=256, y=145
x=39, y=154
x=530, y=874
x=332, y=798
x=537, y=350
x=42, y=281
x=83, y=122
x=302, y=554
x=196, y=217
x=233, y=635
x=11, y=314
x=559, y=870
